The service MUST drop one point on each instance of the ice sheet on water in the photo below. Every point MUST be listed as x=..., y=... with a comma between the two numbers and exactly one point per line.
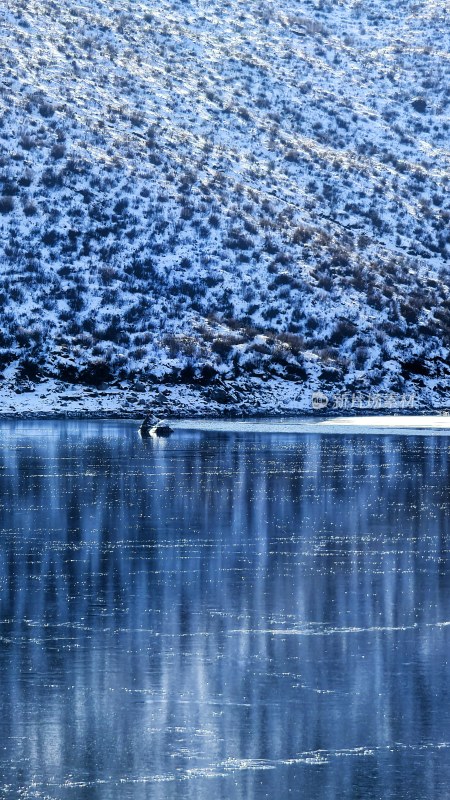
x=434, y=424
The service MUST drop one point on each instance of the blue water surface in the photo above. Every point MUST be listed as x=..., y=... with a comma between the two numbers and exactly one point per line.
x=223, y=614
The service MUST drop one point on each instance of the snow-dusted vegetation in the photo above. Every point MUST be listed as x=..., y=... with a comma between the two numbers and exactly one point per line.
x=239, y=197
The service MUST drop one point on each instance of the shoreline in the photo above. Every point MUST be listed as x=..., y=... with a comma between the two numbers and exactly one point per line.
x=228, y=414
x=282, y=416
x=244, y=399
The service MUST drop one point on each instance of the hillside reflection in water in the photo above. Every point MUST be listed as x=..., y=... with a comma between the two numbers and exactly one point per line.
x=219, y=614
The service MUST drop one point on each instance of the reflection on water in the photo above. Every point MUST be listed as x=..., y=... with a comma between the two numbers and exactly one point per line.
x=222, y=615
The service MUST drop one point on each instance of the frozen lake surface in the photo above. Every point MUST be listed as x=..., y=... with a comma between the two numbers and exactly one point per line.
x=434, y=424
x=242, y=611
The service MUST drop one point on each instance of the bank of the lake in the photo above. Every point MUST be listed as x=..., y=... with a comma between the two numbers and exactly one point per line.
x=254, y=396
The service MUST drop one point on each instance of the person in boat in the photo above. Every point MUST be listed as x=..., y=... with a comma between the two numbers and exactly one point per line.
x=146, y=424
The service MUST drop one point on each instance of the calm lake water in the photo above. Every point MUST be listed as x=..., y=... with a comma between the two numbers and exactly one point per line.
x=223, y=614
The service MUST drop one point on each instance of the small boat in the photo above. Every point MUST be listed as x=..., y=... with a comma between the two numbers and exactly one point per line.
x=162, y=428
x=149, y=427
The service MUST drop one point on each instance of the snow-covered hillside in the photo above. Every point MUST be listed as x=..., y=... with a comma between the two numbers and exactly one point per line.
x=236, y=194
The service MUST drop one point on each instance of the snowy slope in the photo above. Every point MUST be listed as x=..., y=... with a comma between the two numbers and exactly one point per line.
x=234, y=191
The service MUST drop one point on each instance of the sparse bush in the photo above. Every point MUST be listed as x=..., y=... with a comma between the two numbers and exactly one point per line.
x=121, y=206
x=10, y=187
x=223, y=346
x=96, y=372
x=361, y=355
x=29, y=209
x=23, y=336
x=138, y=354
x=344, y=330
x=28, y=369
x=50, y=238
x=27, y=143
x=187, y=212
x=50, y=179
x=238, y=241
x=108, y=274
x=26, y=179
x=58, y=151
x=282, y=279
x=302, y=234
x=46, y=110
x=295, y=343
x=6, y=205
